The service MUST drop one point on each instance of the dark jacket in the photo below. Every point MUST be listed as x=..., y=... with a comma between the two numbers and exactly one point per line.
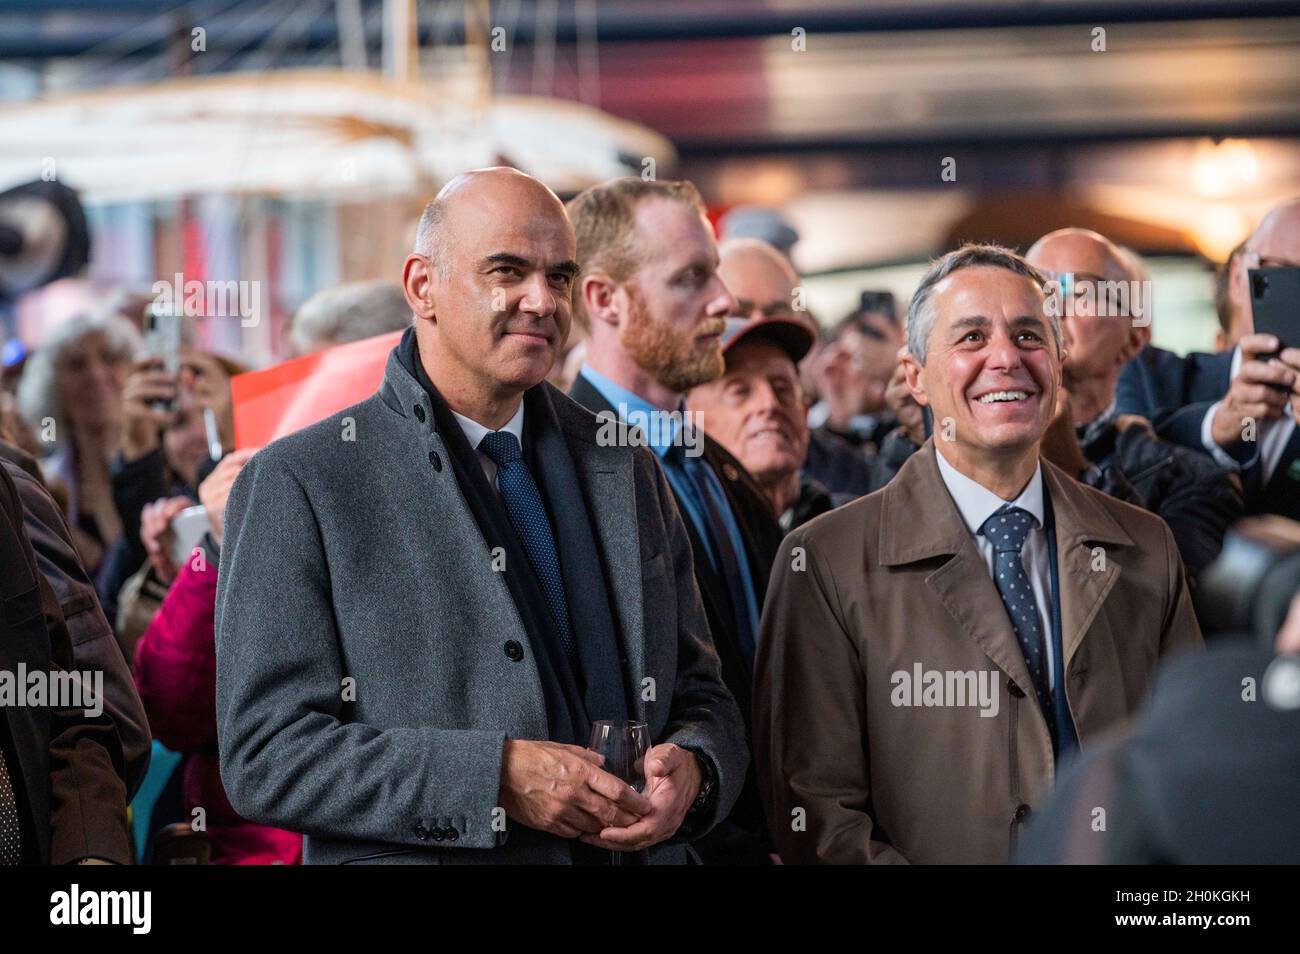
x=742, y=837
x=1206, y=775
x=1194, y=495
x=136, y=484
x=813, y=501
x=1188, y=490
x=70, y=793
x=1175, y=393
x=94, y=646
x=837, y=465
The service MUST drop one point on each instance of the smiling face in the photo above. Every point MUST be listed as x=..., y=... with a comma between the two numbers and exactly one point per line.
x=755, y=410
x=676, y=305
x=992, y=366
x=500, y=293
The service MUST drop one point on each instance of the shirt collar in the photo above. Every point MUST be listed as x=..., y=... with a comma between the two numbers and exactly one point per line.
x=977, y=503
x=660, y=426
x=1089, y=432
x=475, y=432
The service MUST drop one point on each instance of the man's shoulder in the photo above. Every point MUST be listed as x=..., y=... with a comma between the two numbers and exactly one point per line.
x=326, y=441
x=1141, y=447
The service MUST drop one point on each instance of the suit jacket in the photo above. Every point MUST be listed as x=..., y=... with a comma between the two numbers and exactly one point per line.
x=94, y=647
x=1176, y=393
x=848, y=770
x=371, y=664
x=743, y=837
x=69, y=787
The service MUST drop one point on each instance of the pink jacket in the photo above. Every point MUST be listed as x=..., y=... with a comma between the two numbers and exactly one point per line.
x=176, y=675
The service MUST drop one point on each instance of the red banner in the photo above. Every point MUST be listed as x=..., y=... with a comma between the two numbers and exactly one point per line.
x=279, y=400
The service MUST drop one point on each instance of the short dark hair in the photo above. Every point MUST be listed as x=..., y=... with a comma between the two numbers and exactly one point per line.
x=920, y=314
x=604, y=225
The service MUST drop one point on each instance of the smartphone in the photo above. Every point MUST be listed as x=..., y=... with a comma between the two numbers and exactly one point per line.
x=163, y=339
x=878, y=303
x=188, y=528
x=1275, y=304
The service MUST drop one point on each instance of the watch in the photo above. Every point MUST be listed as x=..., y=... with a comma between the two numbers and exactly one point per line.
x=708, y=782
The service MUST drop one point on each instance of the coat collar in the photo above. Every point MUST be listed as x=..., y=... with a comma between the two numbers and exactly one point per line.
x=919, y=521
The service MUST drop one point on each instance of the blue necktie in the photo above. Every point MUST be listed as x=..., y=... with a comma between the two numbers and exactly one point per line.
x=1007, y=530
x=697, y=472
x=528, y=516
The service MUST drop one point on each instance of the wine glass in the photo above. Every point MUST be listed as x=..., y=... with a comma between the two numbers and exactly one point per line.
x=622, y=747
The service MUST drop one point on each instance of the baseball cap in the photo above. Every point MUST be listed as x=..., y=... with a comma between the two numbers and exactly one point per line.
x=792, y=336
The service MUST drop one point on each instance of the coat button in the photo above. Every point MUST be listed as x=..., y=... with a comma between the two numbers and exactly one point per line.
x=1022, y=812
x=514, y=651
x=452, y=834
x=421, y=832
x=419, y=413
x=729, y=471
x=435, y=460
x=1015, y=690
x=438, y=834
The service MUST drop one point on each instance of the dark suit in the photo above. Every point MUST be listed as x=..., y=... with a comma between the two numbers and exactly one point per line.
x=1175, y=394
x=743, y=836
x=71, y=799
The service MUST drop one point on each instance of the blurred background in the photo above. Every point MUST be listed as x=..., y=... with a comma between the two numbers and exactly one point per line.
x=293, y=144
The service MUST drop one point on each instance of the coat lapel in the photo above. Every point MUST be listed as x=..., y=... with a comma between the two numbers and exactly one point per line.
x=607, y=471
x=919, y=521
x=1087, y=566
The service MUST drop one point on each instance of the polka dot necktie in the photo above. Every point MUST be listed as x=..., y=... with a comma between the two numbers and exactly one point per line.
x=1007, y=530
x=528, y=516
x=10, y=830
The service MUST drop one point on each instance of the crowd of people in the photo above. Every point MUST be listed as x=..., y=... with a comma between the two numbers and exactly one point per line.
x=871, y=585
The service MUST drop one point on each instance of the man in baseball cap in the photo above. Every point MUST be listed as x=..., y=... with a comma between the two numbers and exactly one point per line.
x=756, y=409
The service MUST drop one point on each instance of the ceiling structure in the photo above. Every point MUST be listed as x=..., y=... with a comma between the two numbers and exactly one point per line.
x=815, y=106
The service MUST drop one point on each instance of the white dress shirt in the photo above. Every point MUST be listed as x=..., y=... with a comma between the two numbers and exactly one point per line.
x=475, y=432
x=1272, y=436
x=977, y=503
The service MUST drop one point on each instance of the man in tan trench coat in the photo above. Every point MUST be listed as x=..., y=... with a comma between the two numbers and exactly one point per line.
x=930, y=653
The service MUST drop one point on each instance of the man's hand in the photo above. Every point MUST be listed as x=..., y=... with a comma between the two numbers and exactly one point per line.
x=141, y=422
x=215, y=490
x=561, y=789
x=156, y=533
x=1291, y=358
x=672, y=783
x=1250, y=394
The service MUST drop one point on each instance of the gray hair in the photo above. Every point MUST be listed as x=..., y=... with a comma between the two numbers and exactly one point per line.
x=38, y=390
x=349, y=312
x=921, y=313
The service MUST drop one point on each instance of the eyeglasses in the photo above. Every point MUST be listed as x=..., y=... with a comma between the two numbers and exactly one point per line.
x=1072, y=283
